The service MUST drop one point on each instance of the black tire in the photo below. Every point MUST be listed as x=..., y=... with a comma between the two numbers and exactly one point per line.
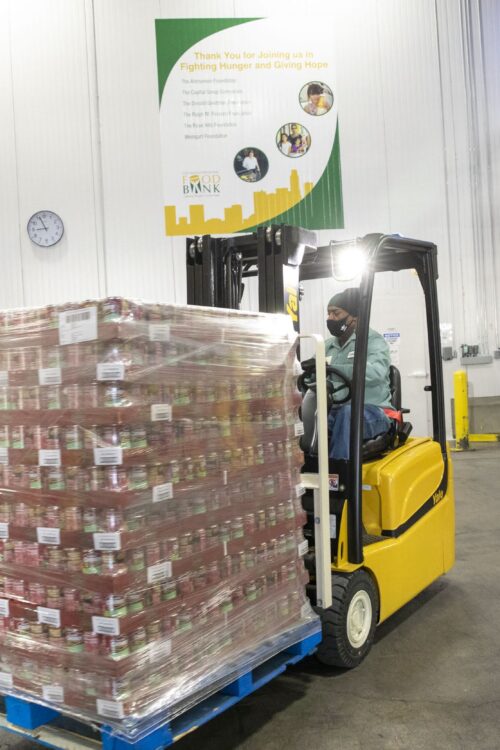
x=346, y=644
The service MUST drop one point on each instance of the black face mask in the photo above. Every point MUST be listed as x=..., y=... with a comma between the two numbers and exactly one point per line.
x=337, y=327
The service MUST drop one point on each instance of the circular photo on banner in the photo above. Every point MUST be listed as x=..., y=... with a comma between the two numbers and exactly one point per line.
x=293, y=140
x=251, y=164
x=316, y=98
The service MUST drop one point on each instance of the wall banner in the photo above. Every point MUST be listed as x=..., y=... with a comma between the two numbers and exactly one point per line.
x=249, y=126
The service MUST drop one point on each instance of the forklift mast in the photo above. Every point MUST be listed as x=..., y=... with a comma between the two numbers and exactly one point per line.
x=217, y=267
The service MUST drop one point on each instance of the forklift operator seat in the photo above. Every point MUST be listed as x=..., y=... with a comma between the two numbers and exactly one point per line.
x=372, y=448
x=395, y=388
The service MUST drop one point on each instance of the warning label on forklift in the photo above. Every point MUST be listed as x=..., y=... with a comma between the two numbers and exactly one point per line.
x=333, y=526
x=333, y=482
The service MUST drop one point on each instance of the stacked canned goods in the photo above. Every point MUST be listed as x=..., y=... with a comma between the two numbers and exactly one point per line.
x=150, y=513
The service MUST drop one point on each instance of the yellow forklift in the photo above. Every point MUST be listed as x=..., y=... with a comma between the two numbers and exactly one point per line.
x=381, y=525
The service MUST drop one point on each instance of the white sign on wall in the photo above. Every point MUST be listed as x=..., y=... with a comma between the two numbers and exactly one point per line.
x=393, y=340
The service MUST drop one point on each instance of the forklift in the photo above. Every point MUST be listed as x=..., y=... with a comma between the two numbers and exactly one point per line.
x=381, y=525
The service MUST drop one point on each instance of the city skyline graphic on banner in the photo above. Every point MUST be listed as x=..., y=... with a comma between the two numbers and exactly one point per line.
x=265, y=205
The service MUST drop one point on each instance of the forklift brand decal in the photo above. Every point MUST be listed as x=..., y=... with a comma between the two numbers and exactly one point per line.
x=437, y=497
x=292, y=304
x=249, y=128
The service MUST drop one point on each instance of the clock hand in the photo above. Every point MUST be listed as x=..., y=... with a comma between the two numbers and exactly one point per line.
x=43, y=225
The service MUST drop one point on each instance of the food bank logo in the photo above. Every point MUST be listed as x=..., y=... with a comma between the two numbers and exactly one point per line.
x=202, y=183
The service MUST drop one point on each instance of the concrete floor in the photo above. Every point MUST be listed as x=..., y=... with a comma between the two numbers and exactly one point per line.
x=432, y=679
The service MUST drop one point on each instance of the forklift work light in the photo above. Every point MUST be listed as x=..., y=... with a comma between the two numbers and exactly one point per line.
x=348, y=262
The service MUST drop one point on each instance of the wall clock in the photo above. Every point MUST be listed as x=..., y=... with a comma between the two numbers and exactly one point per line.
x=45, y=228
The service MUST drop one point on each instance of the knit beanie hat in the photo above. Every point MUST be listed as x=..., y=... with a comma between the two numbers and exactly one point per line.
x=348, y=300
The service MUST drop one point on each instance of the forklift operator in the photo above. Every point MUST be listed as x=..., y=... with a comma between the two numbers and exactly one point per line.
x=343, y=311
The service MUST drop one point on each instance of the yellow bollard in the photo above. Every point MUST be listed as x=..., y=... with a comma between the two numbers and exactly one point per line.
x=461, y=410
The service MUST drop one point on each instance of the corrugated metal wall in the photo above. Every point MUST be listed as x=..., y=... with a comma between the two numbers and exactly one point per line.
x=419, y=113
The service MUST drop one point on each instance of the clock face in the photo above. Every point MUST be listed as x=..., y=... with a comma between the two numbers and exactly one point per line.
x=45, y=228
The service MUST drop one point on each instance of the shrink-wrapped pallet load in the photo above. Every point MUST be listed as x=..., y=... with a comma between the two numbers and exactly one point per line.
x=150, y=513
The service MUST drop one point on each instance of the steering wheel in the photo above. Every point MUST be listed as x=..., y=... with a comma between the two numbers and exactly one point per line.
x=307, y=381
x=332, y=389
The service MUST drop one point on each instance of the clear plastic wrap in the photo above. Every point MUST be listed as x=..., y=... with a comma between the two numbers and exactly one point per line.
x=150, y=514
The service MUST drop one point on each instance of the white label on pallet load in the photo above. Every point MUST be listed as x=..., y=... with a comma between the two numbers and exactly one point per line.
x=305, y=610
x=49, y=616
x=48, y=535
x=110, y=371
x=49, y=457
x=299, y=429
x=4, y=531
x=105, y=625
x=159, y=332
x=161, y=413
x=303, y=547
x=50, y=376
x=108, y=456
x=5, y=681
x=110, y=709
x=299, y=490
x=53, y=693
x=163, y=492
x=78, y=325
x=107, y=541
x=4, y=607
x=4, y=377
x=159, y=572
x=4, y=455
x=162, y=648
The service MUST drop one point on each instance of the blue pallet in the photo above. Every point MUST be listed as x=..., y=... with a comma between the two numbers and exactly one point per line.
x=25, y=717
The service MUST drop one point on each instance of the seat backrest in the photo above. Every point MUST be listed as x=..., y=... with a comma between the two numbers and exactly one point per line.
x=395, y=387
x=309, y=440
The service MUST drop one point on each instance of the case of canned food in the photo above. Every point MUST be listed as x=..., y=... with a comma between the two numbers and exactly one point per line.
x=150, y=512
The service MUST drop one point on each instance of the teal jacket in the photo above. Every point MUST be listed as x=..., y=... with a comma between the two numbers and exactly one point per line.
x=378, y=361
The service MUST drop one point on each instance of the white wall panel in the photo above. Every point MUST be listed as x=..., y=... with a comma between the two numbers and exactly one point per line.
x=51, y=111
x=11, y=285
x=490, y=39
x=361, y=121
x=472, y=272
x=138, y=255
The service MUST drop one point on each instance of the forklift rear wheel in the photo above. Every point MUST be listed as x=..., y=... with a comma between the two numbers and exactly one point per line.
x=349, y=624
